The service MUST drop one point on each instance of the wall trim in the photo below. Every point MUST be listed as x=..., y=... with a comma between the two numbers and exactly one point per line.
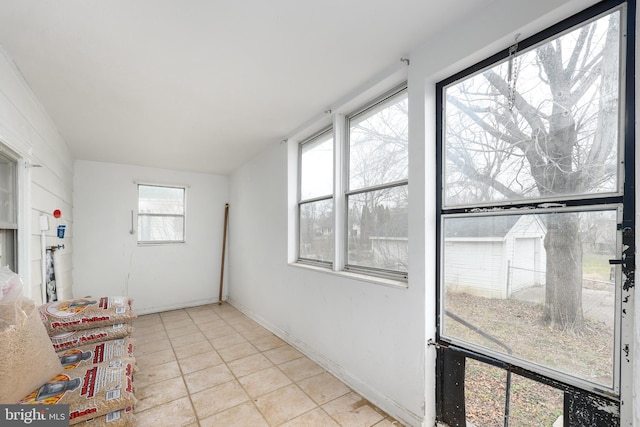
x=169, y=307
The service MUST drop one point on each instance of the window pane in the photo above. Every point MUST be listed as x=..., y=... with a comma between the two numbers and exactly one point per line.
x=539, y=284
x=8, y=249
x=316, y=167
x=541, y=124
x=7, y=191
x=316, y=230
x=160, y=214
x=161, y=200
x=378, y=229
x=378, y=145
x=160, y=228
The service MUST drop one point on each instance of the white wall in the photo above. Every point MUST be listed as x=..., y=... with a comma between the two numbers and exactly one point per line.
x=368, y=334
x=107, y=259
x=30, y=135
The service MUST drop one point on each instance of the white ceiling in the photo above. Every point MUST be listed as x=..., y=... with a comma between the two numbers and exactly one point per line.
x=204, y=85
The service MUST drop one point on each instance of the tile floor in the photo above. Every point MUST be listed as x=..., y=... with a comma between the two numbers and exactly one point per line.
x=213, y=366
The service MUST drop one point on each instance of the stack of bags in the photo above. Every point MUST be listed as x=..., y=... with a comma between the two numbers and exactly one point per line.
x=75, y=352
x=91, y=338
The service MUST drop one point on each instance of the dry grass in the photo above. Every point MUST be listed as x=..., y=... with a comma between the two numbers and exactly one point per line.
x=587, y=354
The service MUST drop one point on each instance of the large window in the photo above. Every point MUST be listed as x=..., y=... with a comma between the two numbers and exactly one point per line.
x=161, y=214
x=369, y=161
x=377, y=194
x=536, y=225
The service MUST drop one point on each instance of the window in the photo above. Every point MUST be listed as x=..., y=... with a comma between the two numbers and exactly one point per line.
x=377, y=187
x=8, y=213
x=315, y=208
x=536, y=224
x=369, y=161
x=161, y=214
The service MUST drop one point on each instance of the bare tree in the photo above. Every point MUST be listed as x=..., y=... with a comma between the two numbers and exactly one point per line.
x=542, y=125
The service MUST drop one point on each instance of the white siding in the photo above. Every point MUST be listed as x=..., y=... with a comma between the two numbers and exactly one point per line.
x=475, y=267
x=28, y=131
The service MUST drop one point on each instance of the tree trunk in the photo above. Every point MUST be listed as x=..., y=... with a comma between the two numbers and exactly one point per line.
x=563, y=295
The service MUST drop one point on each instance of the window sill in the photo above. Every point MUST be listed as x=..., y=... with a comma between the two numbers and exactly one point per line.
x=398, y=284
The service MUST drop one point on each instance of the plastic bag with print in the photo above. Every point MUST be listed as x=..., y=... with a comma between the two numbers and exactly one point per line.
x=90, y=391
x=86, y=313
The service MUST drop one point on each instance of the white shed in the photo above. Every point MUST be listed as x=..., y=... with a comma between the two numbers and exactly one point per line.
x=494, y=256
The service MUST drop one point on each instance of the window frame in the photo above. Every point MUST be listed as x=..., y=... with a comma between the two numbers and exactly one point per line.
x=339, y=126
x=451, y=354
x=157, y=215
x=386, y=98
x=300, y=201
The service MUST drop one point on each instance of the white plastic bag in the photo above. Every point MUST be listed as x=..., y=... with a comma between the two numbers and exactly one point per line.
x=27, y=355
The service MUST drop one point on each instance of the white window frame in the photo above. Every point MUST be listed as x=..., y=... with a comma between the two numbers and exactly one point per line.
x=339, y=123
x=319, y=198
x=386, y=98
x=183, y=215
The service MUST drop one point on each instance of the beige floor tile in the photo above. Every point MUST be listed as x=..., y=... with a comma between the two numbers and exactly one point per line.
x=282, y=354
x=315, y=418
x=178, y=323
x=323, y=388
x=227, y=341
x=203, y=316
x=187, y=330
x=248, y=326
x=243, y=415
x=192, y=349
x=208, y=378
x=183, y=340
x=352, y=409
x=301, y=368
x=248, y=365
x=158, y=373
x=264, y=381
x=152, y=347
x=156, y=358
x=173, y=315
x=149, y=328
x=219, y=332
x=214, y=323
x=225, y=360
x=284, y=404
x=147, y=319
x=234, y=318
x=142, y=338
x=219, y=398
x=199, y=362
x=267, y=343
x=198, y=309
x=160, y=393
x=256, y=334
x=171, y=414
x=237, y=351
x=206, y=319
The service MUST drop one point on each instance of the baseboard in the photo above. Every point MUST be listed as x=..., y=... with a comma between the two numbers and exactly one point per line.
x=177, y=306
x=373, y=395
